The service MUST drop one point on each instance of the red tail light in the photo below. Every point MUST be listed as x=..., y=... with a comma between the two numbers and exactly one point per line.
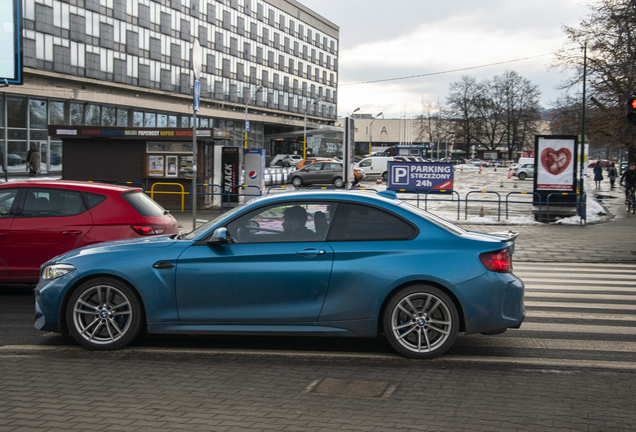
x=148, y=229
x=500, y=262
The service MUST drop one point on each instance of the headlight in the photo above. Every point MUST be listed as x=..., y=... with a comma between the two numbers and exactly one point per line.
x=56, y=270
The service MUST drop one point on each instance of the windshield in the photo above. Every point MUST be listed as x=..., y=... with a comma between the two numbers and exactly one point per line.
x=206, y=226
x=435, y=219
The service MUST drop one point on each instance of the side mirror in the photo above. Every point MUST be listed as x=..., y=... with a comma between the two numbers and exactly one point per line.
x=219, y=237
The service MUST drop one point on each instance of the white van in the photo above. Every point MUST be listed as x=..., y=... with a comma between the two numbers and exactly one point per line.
x=375, y=165
x=526, y=160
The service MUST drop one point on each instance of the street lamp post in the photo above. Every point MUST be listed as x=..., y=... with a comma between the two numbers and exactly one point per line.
x=305, y=129
x=370, y=132
x=259, y=88
x=447, y=134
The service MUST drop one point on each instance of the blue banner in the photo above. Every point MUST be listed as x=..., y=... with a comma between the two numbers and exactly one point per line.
x=421, y=176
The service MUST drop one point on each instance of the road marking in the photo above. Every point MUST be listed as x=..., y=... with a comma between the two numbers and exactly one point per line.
x=576, y=328
x=580, y=315
x=573, y=281
x=537, y=288
x=553, y=344
x=567, y=305
x=579, y=296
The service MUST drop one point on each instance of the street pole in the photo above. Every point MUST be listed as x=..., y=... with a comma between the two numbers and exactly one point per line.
x=196, y=70
x=370, y=132
x=582, y=163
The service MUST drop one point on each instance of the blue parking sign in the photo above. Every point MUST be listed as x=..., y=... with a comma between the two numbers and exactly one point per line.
x=422, y=176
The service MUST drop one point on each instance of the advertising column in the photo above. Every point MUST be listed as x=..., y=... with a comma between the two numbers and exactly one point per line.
x=555, y=167
x=230, y=172
x=254, y=171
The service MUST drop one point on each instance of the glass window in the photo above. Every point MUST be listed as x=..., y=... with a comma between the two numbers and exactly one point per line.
x=56, y=155
x=1, y=111
x=150, y=120
x=16, y=112
x=7, y=198
x=122, y=117
x=16, y=156
x=292, y=222
x=204, y=123
x=37, y=114
x=162, y=120
x=52, y=203
x=109, y=116
x=93, y=199
x=143, y=204
x=56, y=113
x=138, y=119
x=172, y=121
x=77, y=114
x=93, y=115
x=355, y=222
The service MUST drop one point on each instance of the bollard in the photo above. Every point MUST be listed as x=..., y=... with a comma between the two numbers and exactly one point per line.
x=509, y=174
x=378, y=180
x=479, y=169
x=495, y=167
x=515, y=183
x=481, y=212
x=501, y=185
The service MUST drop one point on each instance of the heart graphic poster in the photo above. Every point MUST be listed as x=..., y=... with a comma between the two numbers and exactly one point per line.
x=555, y=164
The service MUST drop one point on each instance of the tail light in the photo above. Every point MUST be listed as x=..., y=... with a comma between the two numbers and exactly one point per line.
x=148, y=229
x=500, y=261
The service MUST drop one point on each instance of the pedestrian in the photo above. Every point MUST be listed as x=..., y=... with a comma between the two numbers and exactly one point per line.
x=598, y=174
x=612, y=174
x=34, y=161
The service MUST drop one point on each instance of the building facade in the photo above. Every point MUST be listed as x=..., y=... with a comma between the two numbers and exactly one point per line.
x=127, y=63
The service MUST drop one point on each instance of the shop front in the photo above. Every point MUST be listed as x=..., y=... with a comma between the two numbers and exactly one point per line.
x=158, y=159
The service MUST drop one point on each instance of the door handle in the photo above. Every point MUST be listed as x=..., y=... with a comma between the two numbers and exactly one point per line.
x=71, y=232
x=311, y=252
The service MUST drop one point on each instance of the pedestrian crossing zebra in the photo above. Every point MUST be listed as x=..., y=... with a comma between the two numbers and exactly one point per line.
x=576, y=314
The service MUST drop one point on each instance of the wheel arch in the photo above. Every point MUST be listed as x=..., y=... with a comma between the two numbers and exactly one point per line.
x=449, y=293
x=62, y=318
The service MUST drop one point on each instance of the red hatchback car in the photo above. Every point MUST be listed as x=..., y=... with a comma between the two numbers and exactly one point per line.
x=42, y=219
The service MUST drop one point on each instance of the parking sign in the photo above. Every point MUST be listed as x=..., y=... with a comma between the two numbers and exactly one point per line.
x=422, y=176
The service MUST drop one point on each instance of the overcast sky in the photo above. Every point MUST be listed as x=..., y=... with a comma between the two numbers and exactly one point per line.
x=382, y=39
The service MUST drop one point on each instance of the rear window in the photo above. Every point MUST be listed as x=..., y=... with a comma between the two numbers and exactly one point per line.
x=354, y=222
x=143, y=204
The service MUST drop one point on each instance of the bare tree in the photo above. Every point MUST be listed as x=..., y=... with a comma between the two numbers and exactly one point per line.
x=610, y=35
x=462, y=102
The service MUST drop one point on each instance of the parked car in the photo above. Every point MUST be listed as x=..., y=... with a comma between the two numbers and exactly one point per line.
x=291, y=160
x=523, y=171
x=321, y=173
x=333, y=263
x=42, y=219
x=303, y=163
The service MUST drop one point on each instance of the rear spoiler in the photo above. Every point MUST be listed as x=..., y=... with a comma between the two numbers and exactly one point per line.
x=506, y=236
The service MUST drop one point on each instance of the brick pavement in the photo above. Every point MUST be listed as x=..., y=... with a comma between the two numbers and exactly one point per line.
x=124, y=392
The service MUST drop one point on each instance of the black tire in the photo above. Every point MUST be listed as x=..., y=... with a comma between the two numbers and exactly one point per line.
x=429, y=330
x=338, y=182
x=297, y=181
x=384, y=176
x=523, y=176
x=104, y=314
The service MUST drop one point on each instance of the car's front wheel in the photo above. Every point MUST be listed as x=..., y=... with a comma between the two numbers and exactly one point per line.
x=104, y=314
x=421, y=322
x=523, y=176
x=297, y=181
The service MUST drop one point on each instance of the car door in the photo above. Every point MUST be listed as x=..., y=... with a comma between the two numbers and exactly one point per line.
x=313, y=173
x=367, y=166
x=330, y=170
x=8, y=203
x=264, y=275
x=48, y=222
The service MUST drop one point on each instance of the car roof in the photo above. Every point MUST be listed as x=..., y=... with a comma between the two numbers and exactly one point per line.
x=74, y=185
x=335, y=195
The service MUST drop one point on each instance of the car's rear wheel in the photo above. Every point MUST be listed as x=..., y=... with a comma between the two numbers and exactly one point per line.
x=104, y=314
x=421, y=322
x=338, y=182
x=523, y=176
x=297, y=181
x=384, y=176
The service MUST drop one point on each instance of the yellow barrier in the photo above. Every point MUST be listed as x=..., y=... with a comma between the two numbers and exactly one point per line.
x=182, y=193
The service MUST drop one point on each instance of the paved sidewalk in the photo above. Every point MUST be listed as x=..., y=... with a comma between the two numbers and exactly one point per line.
x=612, y=240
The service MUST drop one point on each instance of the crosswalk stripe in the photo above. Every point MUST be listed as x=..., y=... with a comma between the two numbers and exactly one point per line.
x=575, y=281
x=554, y=344
x=580, y=315
x=579, y=296
x=571, y=265
x=544, y=288
x=568, y=305
x=575, y=328
x=578, y=276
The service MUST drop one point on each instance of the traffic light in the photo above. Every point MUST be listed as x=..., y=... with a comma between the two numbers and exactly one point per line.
x=631, y=110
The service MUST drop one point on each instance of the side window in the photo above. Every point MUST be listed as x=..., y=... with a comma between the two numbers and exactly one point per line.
x=355, y=222
x=365, y=163
x=52, y=203
x=314, y=167
x=297, y=222
x=7, y=197
x=332, y=167
x=93, y=199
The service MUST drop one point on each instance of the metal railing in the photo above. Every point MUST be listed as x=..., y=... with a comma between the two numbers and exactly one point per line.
x=182, y=193
x=488, y=201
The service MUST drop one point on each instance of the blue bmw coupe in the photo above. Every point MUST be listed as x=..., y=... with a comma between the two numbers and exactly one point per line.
x=326, y=263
